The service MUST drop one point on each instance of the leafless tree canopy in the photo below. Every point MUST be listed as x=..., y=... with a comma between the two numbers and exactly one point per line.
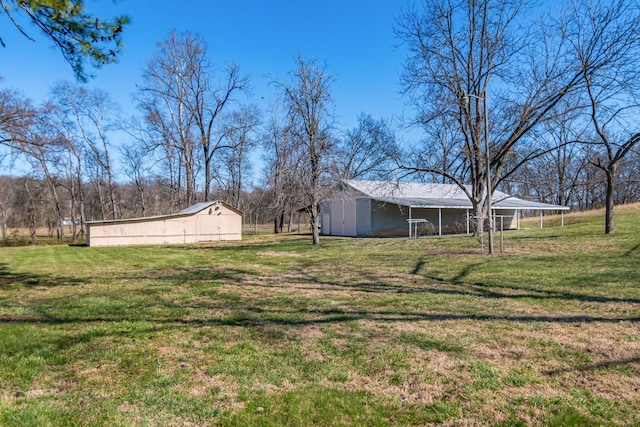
x=183, y=99
x=557, y=83
x=308, y=102
x=522, y=61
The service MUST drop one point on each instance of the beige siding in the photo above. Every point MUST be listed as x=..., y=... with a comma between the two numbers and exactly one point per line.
x=214, y=223
x=506, y=218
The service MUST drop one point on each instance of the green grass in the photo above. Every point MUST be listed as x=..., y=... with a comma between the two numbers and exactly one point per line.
x=273, y=331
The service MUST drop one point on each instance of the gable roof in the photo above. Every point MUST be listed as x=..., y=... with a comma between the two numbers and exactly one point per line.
x=419, y=195
x=191, y=210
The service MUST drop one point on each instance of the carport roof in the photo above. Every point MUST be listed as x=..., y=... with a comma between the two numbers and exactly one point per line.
x=451, y=196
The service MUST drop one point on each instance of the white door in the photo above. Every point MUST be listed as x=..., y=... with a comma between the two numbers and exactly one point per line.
x=326, y=224
x=349, y=217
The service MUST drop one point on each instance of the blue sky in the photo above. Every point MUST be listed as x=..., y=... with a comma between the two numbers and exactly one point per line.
x=353, y=37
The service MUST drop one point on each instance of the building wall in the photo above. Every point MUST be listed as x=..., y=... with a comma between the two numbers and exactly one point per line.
x=212, y=224
x=218, y=223
x=374, y=218
x=452, y=221
x=325, y=217
x=339, y=217
x=363, y=217
x=389, y=219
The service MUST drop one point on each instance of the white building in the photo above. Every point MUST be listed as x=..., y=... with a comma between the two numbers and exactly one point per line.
x=376, y=208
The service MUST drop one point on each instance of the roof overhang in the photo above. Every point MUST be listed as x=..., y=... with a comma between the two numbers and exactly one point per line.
x=508, y=203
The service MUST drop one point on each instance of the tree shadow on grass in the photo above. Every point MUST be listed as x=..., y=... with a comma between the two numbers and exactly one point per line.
x=419, y=265
x=457, y=286
x=632, y=250
x=259, y=317
x=197, y=301
x=204, y=305
x=499, y=291
x=142, y=313
x=609, y=364
x=9, y=279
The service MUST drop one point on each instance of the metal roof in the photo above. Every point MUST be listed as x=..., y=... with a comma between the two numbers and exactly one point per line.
x=197, y=207
x=193, y=209
x=418, y=195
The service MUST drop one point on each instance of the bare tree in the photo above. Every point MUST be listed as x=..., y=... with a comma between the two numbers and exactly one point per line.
x=93, y=115
x=208, y=111
x=71, y=168
x=628, y=180
x=27, y=131
x=6, y=195
x=168, y=78
x=27, y=202
x=307, y=97
x=168, y=155
x=556, y=174
x=134, y=163
x=16, y=114
x=436, y=158
x=255, y=204
x=461, y=50
x=367, y=150
x=183, y=104
x=42, y=153
x=607, y=31
x=282, y=157
x=75, y=186
x=241, y=135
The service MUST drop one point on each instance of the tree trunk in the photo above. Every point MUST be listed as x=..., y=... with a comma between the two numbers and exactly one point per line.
x=72, y=202
x=56, y=199
x=609, y=228
x=207, y=171
x=478, y=216
x=143, y=202
x=290, y=223
x=315, y=229
x=3, y=222
x=189, y=173
x=31, y=217
x=278, y=222
x=255, y=230
x=83, y=217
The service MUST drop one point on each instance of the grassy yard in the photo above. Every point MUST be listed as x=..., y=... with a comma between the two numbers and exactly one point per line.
x=369, y=332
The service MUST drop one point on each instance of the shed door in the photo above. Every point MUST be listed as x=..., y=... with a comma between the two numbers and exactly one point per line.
x=326, y=224
x=349, y=218
x=343, y=217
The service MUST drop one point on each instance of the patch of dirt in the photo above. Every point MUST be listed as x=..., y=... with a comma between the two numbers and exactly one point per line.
x=38, y=392
x=442, y=364
x=224, y=386
x=309, y=332
x=413, y=390
x=279, y=254
x=170, y=352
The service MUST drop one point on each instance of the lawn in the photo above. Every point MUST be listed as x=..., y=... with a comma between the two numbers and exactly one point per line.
x=369, y=332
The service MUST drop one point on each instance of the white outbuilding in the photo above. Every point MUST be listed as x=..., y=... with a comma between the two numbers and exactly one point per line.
x=202, y=222
x=378, y=208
